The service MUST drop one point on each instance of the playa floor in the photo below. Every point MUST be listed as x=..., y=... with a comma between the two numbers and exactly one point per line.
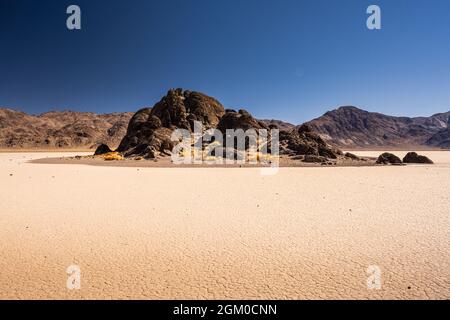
x=224, y=233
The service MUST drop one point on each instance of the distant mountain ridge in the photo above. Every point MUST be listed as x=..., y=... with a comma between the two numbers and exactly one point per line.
x=351, y=127
x=61, y=129
x=345, y=127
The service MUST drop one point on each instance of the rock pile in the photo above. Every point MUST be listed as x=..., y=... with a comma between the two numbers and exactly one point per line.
x=149, y=131
x=303, y=142
x=411, y=157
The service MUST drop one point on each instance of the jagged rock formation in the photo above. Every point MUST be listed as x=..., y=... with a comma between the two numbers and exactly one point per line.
x=413, y=157
x=302, y=141
x=65, y=129
x=149, y=131
x=350, y=127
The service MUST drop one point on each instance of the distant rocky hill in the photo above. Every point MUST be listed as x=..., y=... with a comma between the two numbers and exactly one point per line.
x=350, y=127
x=65, y=129
x=441, y=139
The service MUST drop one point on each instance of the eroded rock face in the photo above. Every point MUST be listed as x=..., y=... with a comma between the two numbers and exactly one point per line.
x=413, y=157
x=388, y=158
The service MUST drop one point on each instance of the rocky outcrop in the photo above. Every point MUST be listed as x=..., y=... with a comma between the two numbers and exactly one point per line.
x=239, y=120
x=302, y=141
x=242, y=119
x=413, y=157
x=149, y=131
x=179, y=109
x=388, y=158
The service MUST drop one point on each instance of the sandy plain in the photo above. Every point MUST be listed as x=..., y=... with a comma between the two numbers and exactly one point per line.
x=224, y=233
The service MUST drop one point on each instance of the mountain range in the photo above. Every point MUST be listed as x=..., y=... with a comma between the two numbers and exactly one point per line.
x=61, y=129
x=350, y=127
x=346, y=127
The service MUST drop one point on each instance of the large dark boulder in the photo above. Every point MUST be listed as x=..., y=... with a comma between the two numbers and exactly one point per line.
x=242, y=119
x=351, y=156
x=388, y=158
x=239, y=120
x=179, y=108
x=102, y=149
x=413, y=157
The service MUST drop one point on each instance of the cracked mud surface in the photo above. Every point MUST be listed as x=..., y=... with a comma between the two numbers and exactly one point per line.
x=224, y=233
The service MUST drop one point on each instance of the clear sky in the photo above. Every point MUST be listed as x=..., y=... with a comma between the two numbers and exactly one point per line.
x=283, y=59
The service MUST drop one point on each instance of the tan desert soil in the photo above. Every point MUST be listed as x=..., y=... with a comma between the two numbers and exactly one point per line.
x=223, y=233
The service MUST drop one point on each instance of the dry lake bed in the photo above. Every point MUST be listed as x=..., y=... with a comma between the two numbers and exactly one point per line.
x=224, y=233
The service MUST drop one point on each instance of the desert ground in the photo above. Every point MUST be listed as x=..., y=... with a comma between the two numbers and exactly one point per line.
x=224, y=233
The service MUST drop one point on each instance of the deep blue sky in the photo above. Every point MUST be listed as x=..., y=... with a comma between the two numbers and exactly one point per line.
x=285, y=59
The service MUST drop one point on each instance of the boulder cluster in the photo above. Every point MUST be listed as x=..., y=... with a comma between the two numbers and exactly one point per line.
x=306, y=145
x=411, y=157
x=150, y=129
